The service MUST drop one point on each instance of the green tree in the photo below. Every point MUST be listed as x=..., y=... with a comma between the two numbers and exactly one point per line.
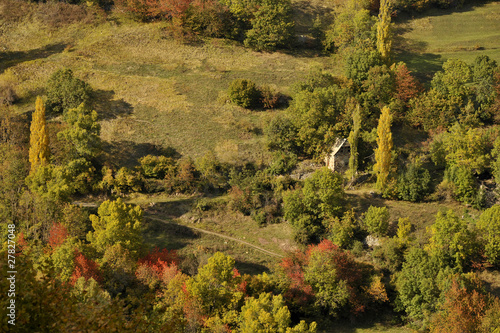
x=404, y=230
x=64, y=91
x=268, y=314
x=376, y=220
x=358, y=63
x=353, y=26
x=318, y=114
x=489, y=225
x=310, y=208
x=272, y=26
x=451, y=241
x=281, y=134
x=82, y=132
x=353, y=142
x=383, y=153
x=51, y=182
x=384, y=38
x=216, y=285
x=417, y=284
x=116, y=223
x=342, y=230
x=414, y=183
x=39, y=138
x=483, y=80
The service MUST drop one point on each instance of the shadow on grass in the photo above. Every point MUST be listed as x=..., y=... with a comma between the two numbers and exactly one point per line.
x=173, y=209
x=434, y=11
x=127, y=153
x=107, y=107
x=169, y=235
x=10, y=59
x=422, y=65
x=250, y=268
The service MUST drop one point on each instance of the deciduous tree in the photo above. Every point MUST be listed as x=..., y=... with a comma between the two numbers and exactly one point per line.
x=116, y=223
x=383, y=153
x=384, y=37
x=39, y=138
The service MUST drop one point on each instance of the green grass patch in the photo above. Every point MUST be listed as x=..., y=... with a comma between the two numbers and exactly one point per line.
x=425, y=43
x=152, y=89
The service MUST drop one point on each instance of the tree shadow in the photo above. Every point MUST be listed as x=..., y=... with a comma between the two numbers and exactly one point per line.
x=12, y=58
x=404, y=17
x=107, y=107
x=127, y=153
x=250, y=268
x=169, y=235
x=172, y=209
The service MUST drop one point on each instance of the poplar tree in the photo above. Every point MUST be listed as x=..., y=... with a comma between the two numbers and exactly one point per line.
x=353, y=141
x=384, y=148
x=384, y=41
x=39, y=138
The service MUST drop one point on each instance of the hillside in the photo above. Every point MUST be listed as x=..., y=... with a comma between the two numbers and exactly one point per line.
x=162, y=165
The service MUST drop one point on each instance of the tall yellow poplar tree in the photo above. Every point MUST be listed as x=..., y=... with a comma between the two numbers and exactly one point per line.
x=39, y=137
x=384, y=38
x=383, y=152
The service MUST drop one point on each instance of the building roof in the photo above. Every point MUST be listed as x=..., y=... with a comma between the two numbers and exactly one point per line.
x=339, y=143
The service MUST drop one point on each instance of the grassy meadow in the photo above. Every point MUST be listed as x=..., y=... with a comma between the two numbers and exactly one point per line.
x=426, y=42
x=154, y=93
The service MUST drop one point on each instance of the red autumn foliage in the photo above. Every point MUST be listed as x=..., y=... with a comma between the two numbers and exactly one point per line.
x=159, y=265
x=85, y=267
x=21, y=244
x=299, y=292
x=407, y=87
x=57, y=235
x=157, y=256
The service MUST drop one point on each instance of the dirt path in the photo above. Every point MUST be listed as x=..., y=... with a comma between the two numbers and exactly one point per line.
x=222, y=236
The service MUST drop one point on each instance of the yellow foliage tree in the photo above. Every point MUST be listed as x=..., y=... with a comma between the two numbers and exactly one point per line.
x=383, y=153
x=384, y=38
x=39, y=138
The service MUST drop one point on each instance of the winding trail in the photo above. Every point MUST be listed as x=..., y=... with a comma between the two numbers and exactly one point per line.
x=94, y=205
x=221, y=236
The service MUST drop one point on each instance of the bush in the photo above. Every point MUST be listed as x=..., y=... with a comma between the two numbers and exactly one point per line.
x=8, y=95
x=270, y=97
x=244, y=93
x=376, y=220
x=64, y=92
x=208, y=18
x=156, y=166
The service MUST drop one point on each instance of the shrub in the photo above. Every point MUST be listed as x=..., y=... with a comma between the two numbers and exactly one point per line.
x=156, y=166
x=376, y=220
x=208, y=18
x=244, y=93
x=270, y=97
x=8, y=95
x=64, y=91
